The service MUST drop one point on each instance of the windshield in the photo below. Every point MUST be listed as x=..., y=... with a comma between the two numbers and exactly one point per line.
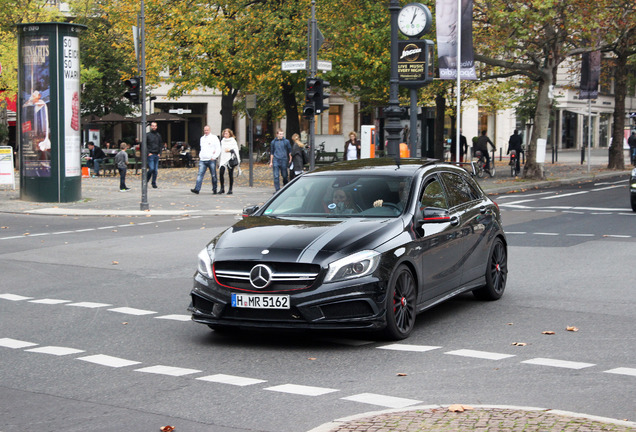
x=341, y=196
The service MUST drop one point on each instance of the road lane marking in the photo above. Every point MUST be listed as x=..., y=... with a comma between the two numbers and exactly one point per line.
x=558, y=363
x=15, y=343
x=90, y=305
x=405, y=347
x=382, y=400
x=14, y=297
x=106, y=360
x=622, y=371
x=231, y=380
x=168, y=370
x=132, y=311
x=302, y=390
x=55, y=350
x=479, y=354
x=564, y=195
x=546, y=234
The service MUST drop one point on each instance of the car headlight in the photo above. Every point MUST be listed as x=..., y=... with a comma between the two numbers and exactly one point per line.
x=357, y=265
x=205, y=262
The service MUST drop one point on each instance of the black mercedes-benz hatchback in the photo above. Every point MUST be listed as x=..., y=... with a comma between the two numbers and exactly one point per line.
x=366, y=244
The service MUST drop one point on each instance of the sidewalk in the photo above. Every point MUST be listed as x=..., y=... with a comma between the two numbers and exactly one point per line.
x=101, y=195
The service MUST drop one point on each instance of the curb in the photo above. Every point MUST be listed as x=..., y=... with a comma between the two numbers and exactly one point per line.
x=351, y=421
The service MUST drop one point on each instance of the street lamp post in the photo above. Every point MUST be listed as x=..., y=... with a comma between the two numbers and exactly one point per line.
x=393, y=111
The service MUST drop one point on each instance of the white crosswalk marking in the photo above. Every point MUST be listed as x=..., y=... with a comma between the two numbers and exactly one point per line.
x=558, y=363
x=90, y=305
x=109, y=361
x=405, y=347
x=55, y=350
x=382, y=400
x=175, y=317
x=49, y=301
x=231, y=379
x=167, y=370
x=622, y=371
x=301, y=389
x=15, y=343
x=132, y=311
x=14, y=297
x=479, y=354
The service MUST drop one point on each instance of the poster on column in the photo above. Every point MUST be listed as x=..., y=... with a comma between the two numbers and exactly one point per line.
x=35, y=142
x=71, y=80
x=446, y=18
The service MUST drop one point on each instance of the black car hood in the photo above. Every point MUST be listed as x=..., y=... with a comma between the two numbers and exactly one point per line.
x=307, y=241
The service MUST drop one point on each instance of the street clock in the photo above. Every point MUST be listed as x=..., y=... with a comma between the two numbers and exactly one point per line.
x=414, y=20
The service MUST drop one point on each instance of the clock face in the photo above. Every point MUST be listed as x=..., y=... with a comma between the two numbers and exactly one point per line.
x=414, y=19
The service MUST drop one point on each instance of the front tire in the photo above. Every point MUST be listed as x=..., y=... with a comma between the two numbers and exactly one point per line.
x=496, y=273
x=400, y=304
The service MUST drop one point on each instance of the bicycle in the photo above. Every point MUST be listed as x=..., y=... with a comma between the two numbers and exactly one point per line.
x=482, y=167
x=514, y=164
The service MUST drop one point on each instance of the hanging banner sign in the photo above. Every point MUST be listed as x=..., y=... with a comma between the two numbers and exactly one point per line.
x=590, y=75
x=446, y=17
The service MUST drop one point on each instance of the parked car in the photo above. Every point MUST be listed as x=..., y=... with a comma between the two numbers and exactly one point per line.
x=365, y=244
x=632, y=189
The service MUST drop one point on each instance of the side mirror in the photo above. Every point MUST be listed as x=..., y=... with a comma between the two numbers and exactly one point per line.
x=249, y=211
x=432, y=215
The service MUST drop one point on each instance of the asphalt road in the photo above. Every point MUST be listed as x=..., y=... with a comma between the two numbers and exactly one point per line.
x=95, y=334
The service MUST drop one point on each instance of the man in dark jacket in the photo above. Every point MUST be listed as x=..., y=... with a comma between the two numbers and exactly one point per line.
x=482, y=146
x=95, y=156
x=514, y=143
x=154, y=145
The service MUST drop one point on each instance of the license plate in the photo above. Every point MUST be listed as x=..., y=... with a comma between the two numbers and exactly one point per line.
x=260, y=301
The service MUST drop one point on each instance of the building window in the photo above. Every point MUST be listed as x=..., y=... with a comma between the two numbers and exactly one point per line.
x=335, y=120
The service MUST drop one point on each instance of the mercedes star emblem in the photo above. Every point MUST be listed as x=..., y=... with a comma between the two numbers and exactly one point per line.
x=260, y=276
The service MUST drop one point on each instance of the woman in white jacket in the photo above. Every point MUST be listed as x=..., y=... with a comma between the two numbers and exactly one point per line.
x=229, y=147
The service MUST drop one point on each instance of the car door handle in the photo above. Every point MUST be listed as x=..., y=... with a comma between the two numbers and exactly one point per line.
x=454, y=220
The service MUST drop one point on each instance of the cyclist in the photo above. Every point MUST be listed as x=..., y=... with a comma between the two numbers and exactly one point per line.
x=514, y=144
x=482, y=146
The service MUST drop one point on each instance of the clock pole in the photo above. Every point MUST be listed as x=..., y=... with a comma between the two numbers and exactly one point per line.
x=393, y=111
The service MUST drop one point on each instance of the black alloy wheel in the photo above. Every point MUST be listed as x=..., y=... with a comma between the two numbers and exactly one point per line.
x=496, y=273
x=400, y=310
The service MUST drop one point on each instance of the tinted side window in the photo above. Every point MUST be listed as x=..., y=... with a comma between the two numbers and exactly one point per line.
x=459, y=191
x=433, y=194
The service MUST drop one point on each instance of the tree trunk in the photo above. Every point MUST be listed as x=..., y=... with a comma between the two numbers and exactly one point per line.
x=291, y=110
x=227, y=109
x=532, y=169
x=440, y=111
x=616, y=158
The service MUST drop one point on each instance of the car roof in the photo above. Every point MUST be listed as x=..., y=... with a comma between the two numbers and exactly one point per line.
x=384, y=166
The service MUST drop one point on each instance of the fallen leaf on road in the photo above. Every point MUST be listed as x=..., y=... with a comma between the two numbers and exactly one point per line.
x=459, y=408
x=311, y=358
x=572, y=328
x=115, y=262
x=519, y=344
x=166, y=429
x=401, y=374
x=511, y=324
x=548, y=332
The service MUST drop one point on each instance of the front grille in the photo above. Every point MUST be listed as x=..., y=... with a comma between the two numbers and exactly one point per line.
x=285, y=276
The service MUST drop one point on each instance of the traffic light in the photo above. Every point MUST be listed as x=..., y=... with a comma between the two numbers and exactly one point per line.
x=323, y=93
x=134, y=92
x=312, y=89
x=309, y=111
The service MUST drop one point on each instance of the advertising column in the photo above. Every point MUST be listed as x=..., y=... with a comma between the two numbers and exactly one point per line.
x=49, y=112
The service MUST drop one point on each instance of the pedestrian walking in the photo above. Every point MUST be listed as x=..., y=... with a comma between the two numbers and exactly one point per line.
x=208, y=154
x=280, y=157
x=154, y=145
x=463, y=147
x=299, y=157
x=229, y=159
x=352, y=147
x=121, y=162
x=632, y=147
